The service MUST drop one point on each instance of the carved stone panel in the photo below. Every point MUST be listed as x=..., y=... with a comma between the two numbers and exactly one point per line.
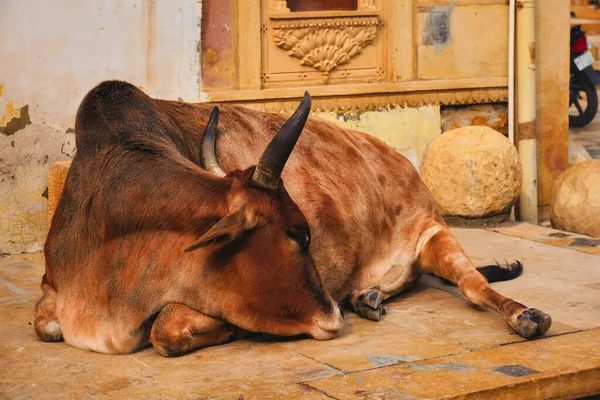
x=323, y=50
x=368, y=53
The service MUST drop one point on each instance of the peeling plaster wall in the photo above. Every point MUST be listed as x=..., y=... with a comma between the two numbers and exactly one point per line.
x=52, y=53
x=408, y=130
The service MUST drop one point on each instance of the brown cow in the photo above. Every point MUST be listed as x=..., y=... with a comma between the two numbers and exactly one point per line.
x=117, y=274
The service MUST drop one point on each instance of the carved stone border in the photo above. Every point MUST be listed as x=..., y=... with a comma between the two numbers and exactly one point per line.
x=347, y=104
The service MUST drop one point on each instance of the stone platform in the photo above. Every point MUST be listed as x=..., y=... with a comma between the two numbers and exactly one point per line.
x=431, y=344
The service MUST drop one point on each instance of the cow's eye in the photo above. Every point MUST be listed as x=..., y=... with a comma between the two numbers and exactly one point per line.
x=302, y=238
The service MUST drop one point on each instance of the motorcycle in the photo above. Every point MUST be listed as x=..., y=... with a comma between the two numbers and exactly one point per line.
x=583, y=98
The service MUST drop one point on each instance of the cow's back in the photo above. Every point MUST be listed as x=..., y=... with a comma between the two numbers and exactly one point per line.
x=358, y=194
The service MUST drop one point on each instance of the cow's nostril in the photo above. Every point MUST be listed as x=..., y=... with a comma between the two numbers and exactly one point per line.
x=338, y=310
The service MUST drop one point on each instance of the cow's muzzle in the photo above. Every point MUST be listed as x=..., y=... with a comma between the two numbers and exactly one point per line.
x=328, y=326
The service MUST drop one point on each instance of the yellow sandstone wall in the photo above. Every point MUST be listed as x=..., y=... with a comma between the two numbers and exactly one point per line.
x=476, y=46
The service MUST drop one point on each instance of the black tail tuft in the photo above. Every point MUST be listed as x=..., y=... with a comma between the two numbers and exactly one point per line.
x=497, y=273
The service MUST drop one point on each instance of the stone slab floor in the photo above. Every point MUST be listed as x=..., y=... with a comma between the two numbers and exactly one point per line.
x=431, y=343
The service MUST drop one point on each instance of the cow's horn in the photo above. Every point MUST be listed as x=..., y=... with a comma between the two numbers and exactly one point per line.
x=208, y=151
x=276, y=154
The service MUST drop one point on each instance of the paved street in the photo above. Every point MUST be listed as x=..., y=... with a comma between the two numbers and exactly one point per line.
x=589, y=137
x=431, y=343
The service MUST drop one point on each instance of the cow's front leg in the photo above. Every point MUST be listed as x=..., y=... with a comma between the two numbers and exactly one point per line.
x=179, y=329
x=368, y=303
x=443, y=256
x=46, y=322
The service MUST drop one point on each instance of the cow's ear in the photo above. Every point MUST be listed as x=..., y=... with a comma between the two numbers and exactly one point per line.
x=225, y=231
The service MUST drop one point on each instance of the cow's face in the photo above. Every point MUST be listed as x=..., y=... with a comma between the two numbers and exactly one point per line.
x=261, y=268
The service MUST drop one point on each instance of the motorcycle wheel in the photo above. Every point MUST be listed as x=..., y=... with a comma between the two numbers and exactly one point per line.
x=583, y=103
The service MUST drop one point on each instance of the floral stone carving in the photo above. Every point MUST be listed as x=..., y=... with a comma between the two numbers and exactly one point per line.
x=324, y=45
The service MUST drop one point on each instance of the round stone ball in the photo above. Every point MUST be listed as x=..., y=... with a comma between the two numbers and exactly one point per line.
x=575, y=200
x=473, y=171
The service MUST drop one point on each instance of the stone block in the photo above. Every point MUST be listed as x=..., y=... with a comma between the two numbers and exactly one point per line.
x=56, y=182
x=472, y=171
x=575, y=201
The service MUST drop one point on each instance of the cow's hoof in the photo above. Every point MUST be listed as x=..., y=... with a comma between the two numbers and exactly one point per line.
x=369, y=305
x=48, y=329
x=531, y=323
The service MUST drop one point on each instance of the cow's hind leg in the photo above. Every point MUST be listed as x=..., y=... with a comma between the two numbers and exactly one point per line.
x=368, y=303
x=179, y=329
x=46, y=323
x=443, y=256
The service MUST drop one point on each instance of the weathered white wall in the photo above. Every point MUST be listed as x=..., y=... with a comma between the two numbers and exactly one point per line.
x=51, y=54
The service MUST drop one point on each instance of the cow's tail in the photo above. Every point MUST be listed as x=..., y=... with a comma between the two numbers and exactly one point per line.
x=497, y=273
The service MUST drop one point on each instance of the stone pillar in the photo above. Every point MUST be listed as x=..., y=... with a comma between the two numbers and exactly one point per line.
x=552, y=69
x=526, y=108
